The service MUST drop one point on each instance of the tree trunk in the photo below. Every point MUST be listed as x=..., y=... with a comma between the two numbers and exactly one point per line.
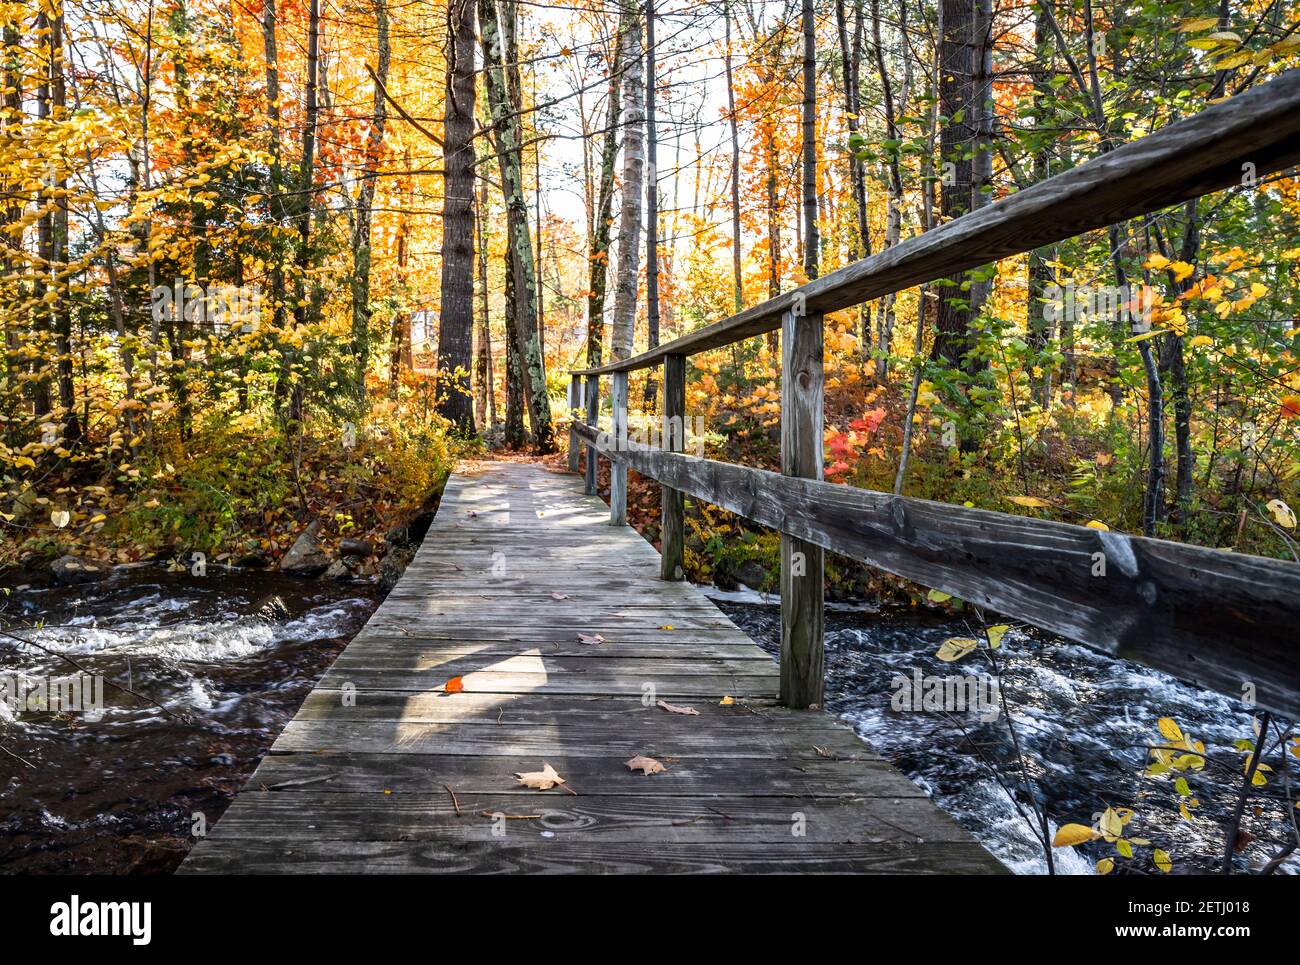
x=505, y=126
x=361, y=243
x=63, y=311
x=652, y=209
x=485, y=392
x=456, y=321
x=812, y=243
x=735, y=164
x=1041, y=327
x=629, y=224
x=598, y=258
x=959, y=55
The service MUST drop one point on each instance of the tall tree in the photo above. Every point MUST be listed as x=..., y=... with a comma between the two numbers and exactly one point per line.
x=505, y=109
x=736, y=283
x=361, y=246
x=959, y=61
x=629, y=222
x=456, y=320
x=484, y=391
x=598, y=253
x=812, y=243
x=652, y=206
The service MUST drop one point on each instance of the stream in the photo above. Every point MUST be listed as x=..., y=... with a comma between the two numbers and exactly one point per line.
x=230, y=657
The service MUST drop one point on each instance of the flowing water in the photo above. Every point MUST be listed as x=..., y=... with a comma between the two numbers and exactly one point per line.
x=230, y=657
x=1082, y=721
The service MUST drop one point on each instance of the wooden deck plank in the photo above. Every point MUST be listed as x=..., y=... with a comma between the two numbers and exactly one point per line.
x=516, y=565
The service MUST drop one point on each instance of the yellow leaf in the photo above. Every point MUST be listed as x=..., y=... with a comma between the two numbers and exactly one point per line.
x=1097, y=524
x=1112, y=826
x=995, y=634
x=1200, y=23
x=1071, y=834
x=938, y=596
x=954, y=648
x=1196, y=341
x=1156, y=261
x=1282, y=513
x=1162, y=860
x=1031, y=501
x=1182, y=270
x=1105, y=866
x=1169, y=729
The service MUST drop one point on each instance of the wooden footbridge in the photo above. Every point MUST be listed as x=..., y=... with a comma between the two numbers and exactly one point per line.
x=569, y=642
x=384, y=771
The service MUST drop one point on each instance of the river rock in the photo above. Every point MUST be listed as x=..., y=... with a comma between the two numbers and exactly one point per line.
x=392, y=567
x=338, y=570
x=252, y=561
x=71, y=570
x=306, y=557
x=356, y=547
x=752, y=573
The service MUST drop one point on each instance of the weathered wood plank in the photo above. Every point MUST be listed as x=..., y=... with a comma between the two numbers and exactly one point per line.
x=631, y=820
x=727, y=776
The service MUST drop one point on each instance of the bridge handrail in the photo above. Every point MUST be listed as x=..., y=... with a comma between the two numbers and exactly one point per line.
x=1220, y=619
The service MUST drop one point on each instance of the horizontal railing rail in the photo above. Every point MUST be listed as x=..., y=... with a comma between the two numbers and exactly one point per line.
x=1220, y=619
x=1185, y=160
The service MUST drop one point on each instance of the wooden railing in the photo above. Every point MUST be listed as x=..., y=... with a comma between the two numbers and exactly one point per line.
x=1215, y=618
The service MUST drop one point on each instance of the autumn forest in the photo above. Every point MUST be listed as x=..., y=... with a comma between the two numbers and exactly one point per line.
x=271, y=259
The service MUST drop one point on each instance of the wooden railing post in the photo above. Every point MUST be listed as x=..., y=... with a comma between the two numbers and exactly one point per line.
x=618, y=468
x=672, y=502
x=801, y=563
x=593, y=420
x=575, y=404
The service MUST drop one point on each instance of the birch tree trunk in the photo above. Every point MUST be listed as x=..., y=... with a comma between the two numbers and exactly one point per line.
x=652, y=209
x=735, y=165
x=506, y=136
x=629, y=224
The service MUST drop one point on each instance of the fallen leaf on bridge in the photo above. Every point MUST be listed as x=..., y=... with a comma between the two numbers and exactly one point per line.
x=590, y=638
x=559, y=596
x=542, y=780
x=675, y=709
x=646, y=765
x=454, y=686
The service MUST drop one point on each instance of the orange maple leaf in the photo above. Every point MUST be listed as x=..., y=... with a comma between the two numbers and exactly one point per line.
x=454, y=686
x=1291, y=407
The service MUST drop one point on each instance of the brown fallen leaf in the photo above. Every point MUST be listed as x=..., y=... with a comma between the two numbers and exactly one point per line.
x=542, y=780
x=590, y=638
x=646, y=765
x=675, y=709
